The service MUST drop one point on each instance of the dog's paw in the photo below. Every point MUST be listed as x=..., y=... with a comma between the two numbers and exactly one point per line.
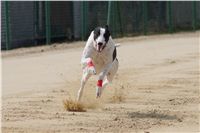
x=91, y=70
x=98, y=92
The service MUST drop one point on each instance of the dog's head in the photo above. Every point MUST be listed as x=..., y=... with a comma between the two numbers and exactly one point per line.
x=101, y=37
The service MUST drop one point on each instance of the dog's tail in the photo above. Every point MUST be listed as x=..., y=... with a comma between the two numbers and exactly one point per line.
x=117, y=44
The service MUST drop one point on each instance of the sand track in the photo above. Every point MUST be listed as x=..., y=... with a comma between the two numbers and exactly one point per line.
x=158, y=78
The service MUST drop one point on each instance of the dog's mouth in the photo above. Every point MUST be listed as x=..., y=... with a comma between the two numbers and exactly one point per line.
x=99, y=48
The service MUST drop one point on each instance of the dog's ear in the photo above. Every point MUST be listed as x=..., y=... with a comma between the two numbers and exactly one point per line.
x=96, y=32
x=107, y=30
x=106, y=27
x=107, y=33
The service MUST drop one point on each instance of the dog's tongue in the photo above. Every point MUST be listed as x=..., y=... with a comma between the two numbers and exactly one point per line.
x=99, y=48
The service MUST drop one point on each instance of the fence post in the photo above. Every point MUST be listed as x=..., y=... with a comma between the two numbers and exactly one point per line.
x=114, y=19
x=159, y=19
x=7, y=25
x=119, y=17
x=169, y=16
x=109, y=12
x=48, y=23
x=84, y=16
x=144, y=8
x=194, y=15
x=36, y=23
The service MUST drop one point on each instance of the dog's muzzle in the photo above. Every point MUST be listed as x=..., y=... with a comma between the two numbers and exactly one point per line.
x=100, y=46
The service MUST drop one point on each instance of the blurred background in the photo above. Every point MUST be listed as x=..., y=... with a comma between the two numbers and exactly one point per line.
x=33, y=23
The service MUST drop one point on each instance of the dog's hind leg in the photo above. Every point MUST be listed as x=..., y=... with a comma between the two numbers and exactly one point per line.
x=110, y=75
x=84, y=79
x=106, y=82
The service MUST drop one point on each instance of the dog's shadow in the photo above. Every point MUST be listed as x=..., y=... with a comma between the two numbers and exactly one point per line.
x=153, y=115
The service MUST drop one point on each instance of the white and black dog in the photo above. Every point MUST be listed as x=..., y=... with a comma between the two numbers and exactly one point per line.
x=99, y=57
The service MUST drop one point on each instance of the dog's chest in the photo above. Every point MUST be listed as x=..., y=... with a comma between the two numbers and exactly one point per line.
x=100, y=60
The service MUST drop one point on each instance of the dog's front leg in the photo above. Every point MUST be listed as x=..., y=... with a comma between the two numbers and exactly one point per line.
x=88, y=65
x=84, y=79
x=101, y=77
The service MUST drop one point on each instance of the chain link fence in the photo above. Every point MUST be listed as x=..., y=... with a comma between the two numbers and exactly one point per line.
x=33, y=23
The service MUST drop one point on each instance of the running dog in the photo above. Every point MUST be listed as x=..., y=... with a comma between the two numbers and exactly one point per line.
x=99, y=57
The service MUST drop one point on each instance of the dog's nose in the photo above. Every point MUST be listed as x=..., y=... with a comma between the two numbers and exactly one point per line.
x=100, y=43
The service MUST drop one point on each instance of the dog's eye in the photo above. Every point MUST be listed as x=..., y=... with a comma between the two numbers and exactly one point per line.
x=96, y=32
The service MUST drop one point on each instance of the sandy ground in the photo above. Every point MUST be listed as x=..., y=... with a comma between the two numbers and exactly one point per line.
x=158, y=79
